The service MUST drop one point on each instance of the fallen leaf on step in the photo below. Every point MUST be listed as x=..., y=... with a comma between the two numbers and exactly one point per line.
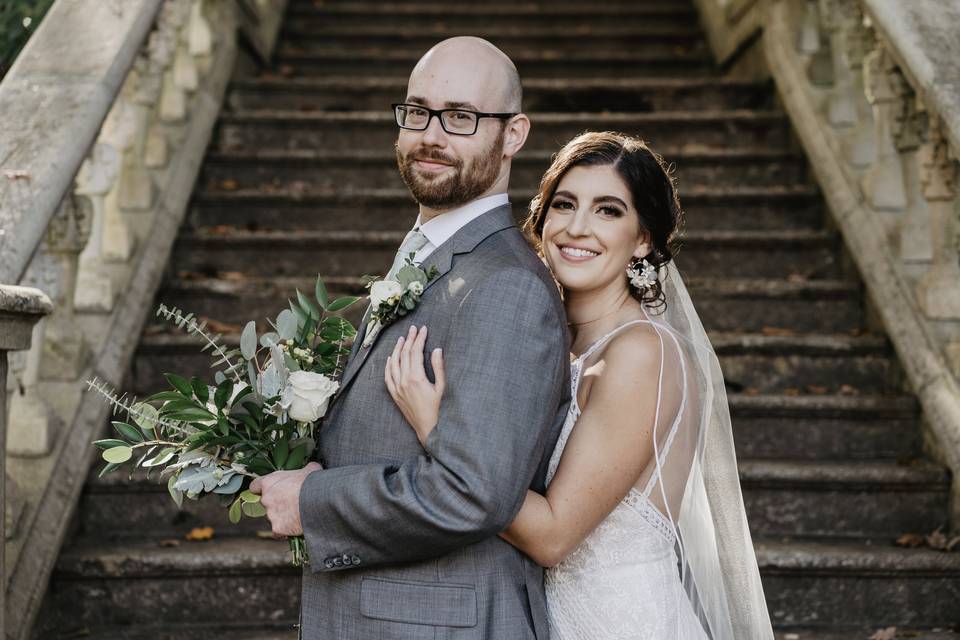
x=220, y=327
x=796, y=277
x=777, y=331
x=952, y=544
x=228, y=185
x=817, y=390
x=170, y=542
x=200, y=534
x=751, y=391
x=791, y=391
x=910, y=540
x=885, y=634
x=286, y=70
x=847, y=390
x=937, y=540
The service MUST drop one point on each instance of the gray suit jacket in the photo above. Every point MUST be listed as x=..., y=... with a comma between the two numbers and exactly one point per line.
x=402, y=537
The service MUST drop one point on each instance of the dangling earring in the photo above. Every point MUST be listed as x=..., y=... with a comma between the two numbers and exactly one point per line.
x=642, y=274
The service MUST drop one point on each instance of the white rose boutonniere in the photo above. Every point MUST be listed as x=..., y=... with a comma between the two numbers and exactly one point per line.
x=393, y=299
x=307, y=395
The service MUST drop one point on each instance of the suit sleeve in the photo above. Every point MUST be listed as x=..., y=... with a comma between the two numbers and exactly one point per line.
x=505, y=360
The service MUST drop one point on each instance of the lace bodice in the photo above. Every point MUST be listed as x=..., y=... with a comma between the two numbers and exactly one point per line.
x=621, y=581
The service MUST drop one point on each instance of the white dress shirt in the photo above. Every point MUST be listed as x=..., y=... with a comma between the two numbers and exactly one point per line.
x=440, y=229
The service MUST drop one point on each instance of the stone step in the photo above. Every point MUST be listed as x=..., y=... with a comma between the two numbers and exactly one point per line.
x=171, y=631
x=811, y=498
x=725, y=305
x=325, y=60
x=741, y=254
x=844, y=498
x=753, y=363
x=302, y=206
x=855, y=585
x=279, y=129
x=247, y=581
x=426, y=15
x=696, y=169
x=819, y=584
x=759, y=364
x=516, y=42
x=541, y=94
x=825, y=427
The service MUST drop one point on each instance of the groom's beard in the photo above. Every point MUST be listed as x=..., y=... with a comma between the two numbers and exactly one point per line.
x=451, y=191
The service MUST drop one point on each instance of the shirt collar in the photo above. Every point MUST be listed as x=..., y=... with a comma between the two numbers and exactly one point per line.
x=440, y=229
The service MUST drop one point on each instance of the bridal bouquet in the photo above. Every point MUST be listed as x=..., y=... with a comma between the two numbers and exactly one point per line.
x=259, y=415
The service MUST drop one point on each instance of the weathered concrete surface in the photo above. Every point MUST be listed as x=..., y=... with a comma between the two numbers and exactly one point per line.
x=53, y=100
x=20, y=308
x=922, y=36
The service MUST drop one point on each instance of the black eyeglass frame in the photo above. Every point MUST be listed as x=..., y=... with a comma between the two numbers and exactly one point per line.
x=438, y=113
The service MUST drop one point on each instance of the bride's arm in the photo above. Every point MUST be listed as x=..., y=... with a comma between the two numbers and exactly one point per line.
x=608, y=449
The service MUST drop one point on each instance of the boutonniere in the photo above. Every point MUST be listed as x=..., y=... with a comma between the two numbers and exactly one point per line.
x=393, y=299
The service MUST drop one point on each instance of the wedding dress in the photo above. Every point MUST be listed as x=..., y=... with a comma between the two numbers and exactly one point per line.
x=674, y=559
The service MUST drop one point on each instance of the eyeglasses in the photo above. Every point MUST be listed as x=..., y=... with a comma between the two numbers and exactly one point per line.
x=458, y=122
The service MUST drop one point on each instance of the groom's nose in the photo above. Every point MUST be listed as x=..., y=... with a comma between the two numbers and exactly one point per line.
x=434, y=135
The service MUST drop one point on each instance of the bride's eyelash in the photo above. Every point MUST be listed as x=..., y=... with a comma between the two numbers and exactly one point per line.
x=611, y=211
x=561, y=204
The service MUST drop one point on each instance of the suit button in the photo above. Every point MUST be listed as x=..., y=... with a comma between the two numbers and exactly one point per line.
x=338, y=562
x=347, y=560
x=328, y=563
x=355, y=559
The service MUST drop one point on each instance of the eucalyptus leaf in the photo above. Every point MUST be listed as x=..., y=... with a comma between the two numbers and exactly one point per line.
x=118, y=455
x=232, y=485
x=253, y=509
x=268, y=340
x=287, y=324
x=108, y=468
x=235, y=512
x=248, y=340
x=218, y=377
x=145, y=415
x=176, y=494
x=250, y=496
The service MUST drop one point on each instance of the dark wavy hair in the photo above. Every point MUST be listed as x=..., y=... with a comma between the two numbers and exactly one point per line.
x=647, y=176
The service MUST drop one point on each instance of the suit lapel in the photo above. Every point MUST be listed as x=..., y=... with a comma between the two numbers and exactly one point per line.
x=463, y=241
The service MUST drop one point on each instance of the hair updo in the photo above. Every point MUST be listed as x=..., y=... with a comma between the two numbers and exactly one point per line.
x=651, y=185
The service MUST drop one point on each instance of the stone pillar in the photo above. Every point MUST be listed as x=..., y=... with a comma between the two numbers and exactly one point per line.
x=20, y=309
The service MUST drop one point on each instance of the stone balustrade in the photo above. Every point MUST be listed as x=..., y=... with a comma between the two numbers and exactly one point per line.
x=872, y=88
x=107, y=114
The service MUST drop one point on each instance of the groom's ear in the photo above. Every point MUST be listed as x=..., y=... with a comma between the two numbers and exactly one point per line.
x=515, y=135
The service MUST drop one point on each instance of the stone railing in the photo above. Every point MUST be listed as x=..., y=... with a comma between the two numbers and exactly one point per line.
x=730, y=25
x=107, y=113
x=872, y=88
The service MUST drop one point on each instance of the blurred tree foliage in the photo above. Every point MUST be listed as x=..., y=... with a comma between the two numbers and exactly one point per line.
x=18, y=20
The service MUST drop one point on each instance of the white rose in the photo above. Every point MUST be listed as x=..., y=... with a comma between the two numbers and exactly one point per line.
x=382, y=290
x=307, y=395
x=415, y=287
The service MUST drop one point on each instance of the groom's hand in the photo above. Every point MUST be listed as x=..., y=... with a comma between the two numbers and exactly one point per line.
x=280, y=496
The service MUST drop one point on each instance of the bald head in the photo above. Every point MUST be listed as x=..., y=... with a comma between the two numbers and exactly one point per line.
x=469, y=70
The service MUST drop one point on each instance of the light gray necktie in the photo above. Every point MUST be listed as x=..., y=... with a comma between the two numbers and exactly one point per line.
x=414, y=241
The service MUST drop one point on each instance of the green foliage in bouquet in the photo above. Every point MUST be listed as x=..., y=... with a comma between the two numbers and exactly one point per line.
x=259, y=416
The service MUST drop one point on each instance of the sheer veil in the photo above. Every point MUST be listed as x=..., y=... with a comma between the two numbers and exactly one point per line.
x=693, y=479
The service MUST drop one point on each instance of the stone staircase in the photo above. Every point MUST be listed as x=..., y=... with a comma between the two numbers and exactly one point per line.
x=301, y=179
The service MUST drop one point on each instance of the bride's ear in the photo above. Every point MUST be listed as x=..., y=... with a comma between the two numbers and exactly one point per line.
x=644, y=246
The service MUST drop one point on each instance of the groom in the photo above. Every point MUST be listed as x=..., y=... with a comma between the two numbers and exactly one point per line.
x=402, y=537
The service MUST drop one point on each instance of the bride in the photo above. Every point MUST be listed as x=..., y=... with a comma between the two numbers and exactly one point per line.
x=642, y=527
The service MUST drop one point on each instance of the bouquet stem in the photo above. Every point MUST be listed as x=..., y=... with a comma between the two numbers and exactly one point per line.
x=298, y=551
